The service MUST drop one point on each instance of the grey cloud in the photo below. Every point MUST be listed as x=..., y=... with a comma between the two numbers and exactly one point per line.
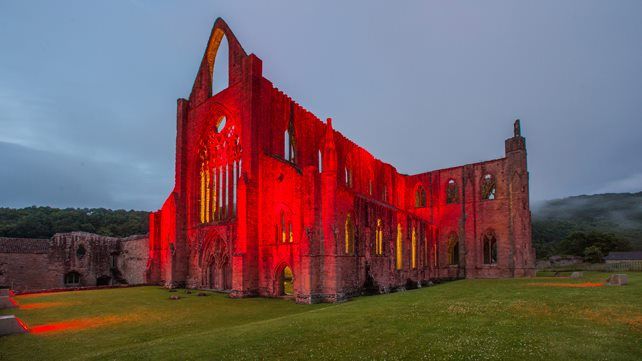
x=35, y=177
x=92, y=87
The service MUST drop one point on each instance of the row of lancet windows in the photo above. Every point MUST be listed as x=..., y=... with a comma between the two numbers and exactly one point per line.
x=283, y=231
x=488, y=188
x=289, y=154
x=487, y=192
x=218, y=191
x=413, y=248
x=219, y=171
x=489, y=245
x=379, y=243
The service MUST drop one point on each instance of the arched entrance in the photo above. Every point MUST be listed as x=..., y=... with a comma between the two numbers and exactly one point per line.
x=103, y=281
x=217, y=268
x=285, y=282
x=220, y=276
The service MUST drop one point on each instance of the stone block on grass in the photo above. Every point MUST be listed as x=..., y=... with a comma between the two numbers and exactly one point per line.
x=10, y=324
x=577, y=275
x=617, y=280
x=6, y=302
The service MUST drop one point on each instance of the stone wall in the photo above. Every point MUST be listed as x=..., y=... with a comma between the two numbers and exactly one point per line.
x=24, y=263
x=133, y=260
x=69, y=260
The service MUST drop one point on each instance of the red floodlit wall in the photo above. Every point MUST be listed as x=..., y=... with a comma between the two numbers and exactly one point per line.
x=264, y=187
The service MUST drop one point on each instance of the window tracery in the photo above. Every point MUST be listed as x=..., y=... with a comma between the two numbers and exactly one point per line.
x=452, y=192
x=488, y=187
x=219, y=171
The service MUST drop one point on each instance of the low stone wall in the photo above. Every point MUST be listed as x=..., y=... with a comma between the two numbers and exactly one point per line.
x=558, y=261
x=72, y=260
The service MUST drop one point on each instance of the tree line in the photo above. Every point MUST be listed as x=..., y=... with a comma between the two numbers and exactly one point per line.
x=44, y=222
x=586, y=226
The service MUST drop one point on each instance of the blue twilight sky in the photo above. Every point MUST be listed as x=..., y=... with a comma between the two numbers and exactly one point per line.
x=88, y=89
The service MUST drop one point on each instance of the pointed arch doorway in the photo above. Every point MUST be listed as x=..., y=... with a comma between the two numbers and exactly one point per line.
x=220, y=276
x=218, y=269
x=284, y=281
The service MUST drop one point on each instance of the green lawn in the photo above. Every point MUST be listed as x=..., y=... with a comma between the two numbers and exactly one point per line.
x=462, y=320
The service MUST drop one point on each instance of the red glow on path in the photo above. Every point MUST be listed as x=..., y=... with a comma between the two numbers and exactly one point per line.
x=77, y=324
x=39, y=294
x=41, y=305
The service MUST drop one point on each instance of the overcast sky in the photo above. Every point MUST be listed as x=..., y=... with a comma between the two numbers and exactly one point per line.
x=88, y=89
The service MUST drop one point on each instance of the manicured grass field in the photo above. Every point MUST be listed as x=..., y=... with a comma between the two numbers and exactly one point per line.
x=527, y=319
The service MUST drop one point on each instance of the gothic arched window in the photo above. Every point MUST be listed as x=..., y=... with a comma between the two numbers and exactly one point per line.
x=488, y=187
x=289, y=151
x=81, y=251
x=413, y=250
x=452, y=192
x=221, y=69
x=219, y=168
x=72, y=278
x=349, y=241
x=205, y=188
x=379, y=238
x=221, y=124
x=348, y=174
x=284, y=228
x=490, y=248
x=453, y=249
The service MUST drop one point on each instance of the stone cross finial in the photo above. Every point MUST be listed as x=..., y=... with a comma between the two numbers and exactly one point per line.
x=517, y=129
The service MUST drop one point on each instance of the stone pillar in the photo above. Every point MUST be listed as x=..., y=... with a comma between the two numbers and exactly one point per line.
x=522, y=255
x=328, y=216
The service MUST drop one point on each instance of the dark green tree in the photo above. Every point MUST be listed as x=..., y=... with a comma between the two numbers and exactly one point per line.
x=44, y=222
x=593, y=254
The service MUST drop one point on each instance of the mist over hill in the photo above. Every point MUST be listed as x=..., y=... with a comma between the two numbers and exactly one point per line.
x=619, y=214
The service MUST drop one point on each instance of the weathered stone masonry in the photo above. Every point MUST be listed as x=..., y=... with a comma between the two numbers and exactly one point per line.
x=263, y=187
x=70, y=260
